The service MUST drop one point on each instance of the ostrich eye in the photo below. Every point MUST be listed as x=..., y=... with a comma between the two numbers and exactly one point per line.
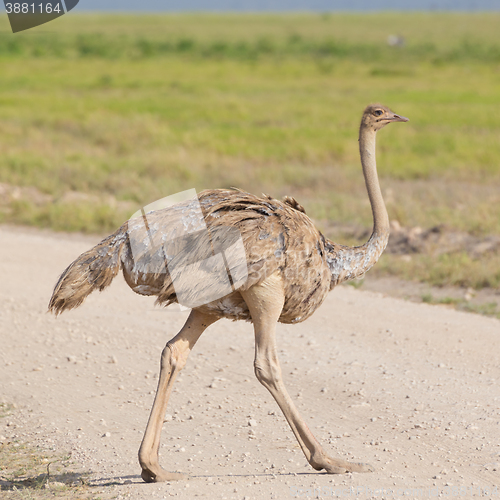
x=378, y=112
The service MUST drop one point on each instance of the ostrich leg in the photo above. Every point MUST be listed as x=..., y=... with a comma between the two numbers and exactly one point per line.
x=265, y=302
x=173, y=359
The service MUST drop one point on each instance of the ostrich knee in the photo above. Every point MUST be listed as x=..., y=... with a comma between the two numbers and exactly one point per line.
x=268, y=372
x=172, y=359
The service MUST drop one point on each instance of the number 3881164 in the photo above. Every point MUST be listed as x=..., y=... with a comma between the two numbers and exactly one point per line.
x=32, y=8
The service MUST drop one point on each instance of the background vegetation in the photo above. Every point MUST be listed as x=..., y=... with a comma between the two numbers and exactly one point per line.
x=100, y=115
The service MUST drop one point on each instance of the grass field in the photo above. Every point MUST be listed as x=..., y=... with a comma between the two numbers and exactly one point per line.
x=100, y=115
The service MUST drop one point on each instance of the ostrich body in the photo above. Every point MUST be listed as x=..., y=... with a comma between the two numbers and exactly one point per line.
x=291, y=268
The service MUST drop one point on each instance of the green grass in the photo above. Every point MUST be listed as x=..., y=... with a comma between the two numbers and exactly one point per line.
x=457, y=269
x=489, y=308
x=435, y=36
x=125, y=109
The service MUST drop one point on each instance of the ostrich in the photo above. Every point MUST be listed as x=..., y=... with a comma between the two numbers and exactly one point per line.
x=290, y=268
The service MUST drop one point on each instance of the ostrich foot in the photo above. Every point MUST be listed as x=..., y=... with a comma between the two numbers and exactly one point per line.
x=158, y=475
x=335, y=466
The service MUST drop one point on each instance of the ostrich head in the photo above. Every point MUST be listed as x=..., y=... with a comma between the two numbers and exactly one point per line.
x=377, y=116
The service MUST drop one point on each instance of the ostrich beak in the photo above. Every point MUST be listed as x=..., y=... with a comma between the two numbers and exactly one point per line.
x=398, y=118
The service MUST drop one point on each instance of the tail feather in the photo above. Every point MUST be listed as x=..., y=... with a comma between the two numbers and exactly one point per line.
x=93, y=270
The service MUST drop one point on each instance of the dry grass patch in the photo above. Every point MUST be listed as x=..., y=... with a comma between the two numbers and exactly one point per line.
x=28, y=472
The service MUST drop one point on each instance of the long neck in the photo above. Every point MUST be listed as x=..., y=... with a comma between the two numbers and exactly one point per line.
x=369, y=164
x=351, y=262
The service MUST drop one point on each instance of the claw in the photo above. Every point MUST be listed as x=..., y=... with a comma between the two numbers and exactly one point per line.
x=162, y=476
x=342, y=467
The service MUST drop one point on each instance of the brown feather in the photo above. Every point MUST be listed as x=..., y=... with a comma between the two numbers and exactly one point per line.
x=93, y=270
x=277, y=237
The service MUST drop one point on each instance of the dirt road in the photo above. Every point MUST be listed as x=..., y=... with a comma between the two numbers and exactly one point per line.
x=411, y=388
